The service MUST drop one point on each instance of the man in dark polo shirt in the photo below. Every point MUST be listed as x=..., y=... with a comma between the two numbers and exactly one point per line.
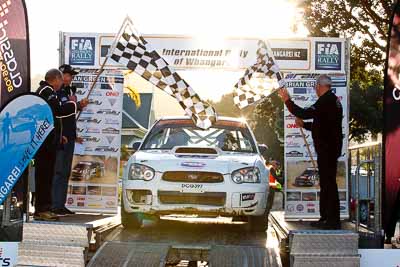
x=326, y=128
x=65, y=152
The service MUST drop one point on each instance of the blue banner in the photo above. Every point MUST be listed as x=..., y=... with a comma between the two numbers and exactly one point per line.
x=25, y=122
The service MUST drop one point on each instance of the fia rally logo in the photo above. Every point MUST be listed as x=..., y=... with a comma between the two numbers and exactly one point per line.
x=82, y=51
x=328, y=55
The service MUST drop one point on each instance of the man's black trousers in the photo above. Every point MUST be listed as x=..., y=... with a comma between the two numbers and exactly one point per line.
x=44, y=171
x=329, y=206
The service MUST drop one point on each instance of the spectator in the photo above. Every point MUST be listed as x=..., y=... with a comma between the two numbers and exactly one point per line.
x=46, y=156
x=65, y=153
x=274, y=183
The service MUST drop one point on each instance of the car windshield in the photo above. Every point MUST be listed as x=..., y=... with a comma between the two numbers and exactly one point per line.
x=226, y=137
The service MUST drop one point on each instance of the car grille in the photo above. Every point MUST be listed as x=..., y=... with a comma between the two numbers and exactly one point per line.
x=210, y=199
x=193, y=177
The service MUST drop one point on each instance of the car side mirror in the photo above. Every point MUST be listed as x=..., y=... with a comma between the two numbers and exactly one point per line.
x=262, y=148
x=136, y=146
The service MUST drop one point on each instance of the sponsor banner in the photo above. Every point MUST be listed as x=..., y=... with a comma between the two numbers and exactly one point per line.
x=186, y=52
x=391, y=130
x=94, y=177
x=14, y=45
x=8, y=253
x=25, y=122
x=328, y=55
x=302, y=180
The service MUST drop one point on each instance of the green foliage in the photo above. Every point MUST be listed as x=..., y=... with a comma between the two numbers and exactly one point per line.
x=125, y=154
x=366, y=22
x=366, y=106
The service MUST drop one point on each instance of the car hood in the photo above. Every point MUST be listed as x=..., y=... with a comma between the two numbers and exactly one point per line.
x=163, y=161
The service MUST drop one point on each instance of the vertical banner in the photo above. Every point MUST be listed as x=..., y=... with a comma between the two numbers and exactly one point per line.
x=302, y=182
x=14, y=47
x=391, y=132
x=93, y=184
x=14, y=81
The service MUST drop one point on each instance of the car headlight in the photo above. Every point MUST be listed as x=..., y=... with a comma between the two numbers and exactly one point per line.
x=140, y=172
x=246, y=175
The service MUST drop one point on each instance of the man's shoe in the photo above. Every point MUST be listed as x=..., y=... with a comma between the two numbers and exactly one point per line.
x=59, y=212
x=318, y=223
x=68, y=211
x=45, y=216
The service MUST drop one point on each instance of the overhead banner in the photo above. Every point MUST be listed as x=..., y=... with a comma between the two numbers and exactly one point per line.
x=14, y=47
x=93, y=184
x=88, y=50
x=391, y=131
x=25, y=122
x=302, y=183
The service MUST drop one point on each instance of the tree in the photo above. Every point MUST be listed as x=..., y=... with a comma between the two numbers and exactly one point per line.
x=367, y=23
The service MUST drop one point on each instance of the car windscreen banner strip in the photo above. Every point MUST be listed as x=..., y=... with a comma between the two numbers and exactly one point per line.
x=14, y=43
x=391, y=131
x=93, y=182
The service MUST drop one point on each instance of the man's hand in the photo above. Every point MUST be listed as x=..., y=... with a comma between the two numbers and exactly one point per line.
x=299, y=122
x=283, y=93
x=84, y=102
x=79, y=140
x=72, y=98
x=64, y=140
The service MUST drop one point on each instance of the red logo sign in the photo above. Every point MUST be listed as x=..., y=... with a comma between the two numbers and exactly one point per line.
x=112, y=93
x=292, y=126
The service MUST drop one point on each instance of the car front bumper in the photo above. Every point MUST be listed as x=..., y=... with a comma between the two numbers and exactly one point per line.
x=158, y=197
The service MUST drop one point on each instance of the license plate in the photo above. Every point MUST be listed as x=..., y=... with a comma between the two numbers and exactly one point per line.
x=192, y=188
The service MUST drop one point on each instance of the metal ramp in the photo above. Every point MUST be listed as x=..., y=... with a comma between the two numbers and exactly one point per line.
x=146, y=254
x=337, y=248
x=140, y=254
x=46, y=244
x=243, y=256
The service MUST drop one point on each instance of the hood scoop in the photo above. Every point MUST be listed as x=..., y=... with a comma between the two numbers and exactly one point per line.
x=195, y=152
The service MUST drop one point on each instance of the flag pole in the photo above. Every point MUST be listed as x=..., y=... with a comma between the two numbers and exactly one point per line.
x=308, y=149
x=100, y=71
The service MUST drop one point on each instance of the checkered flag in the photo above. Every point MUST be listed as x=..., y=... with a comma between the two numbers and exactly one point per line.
x=131, y=50
x=259, y=80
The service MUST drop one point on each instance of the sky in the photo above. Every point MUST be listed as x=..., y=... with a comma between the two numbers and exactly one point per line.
x=207, y=19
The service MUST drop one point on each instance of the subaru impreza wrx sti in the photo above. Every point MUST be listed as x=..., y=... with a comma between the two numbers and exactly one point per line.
x=181, y=169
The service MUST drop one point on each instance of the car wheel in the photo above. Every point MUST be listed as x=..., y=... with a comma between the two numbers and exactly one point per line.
x=258, y=223
x=130, y=220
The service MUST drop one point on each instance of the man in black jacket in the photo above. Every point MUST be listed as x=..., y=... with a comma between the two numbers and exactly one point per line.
x=46, y=156
x=65, y=153
x=326, y=128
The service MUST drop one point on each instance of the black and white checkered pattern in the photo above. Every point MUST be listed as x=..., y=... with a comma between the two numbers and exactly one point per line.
x=135, y=53
x=259, y=80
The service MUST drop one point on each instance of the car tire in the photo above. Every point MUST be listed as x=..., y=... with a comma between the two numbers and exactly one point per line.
x=130, y=220
x=258, y=223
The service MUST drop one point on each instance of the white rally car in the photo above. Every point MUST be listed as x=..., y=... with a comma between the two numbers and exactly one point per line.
x=181, y=169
